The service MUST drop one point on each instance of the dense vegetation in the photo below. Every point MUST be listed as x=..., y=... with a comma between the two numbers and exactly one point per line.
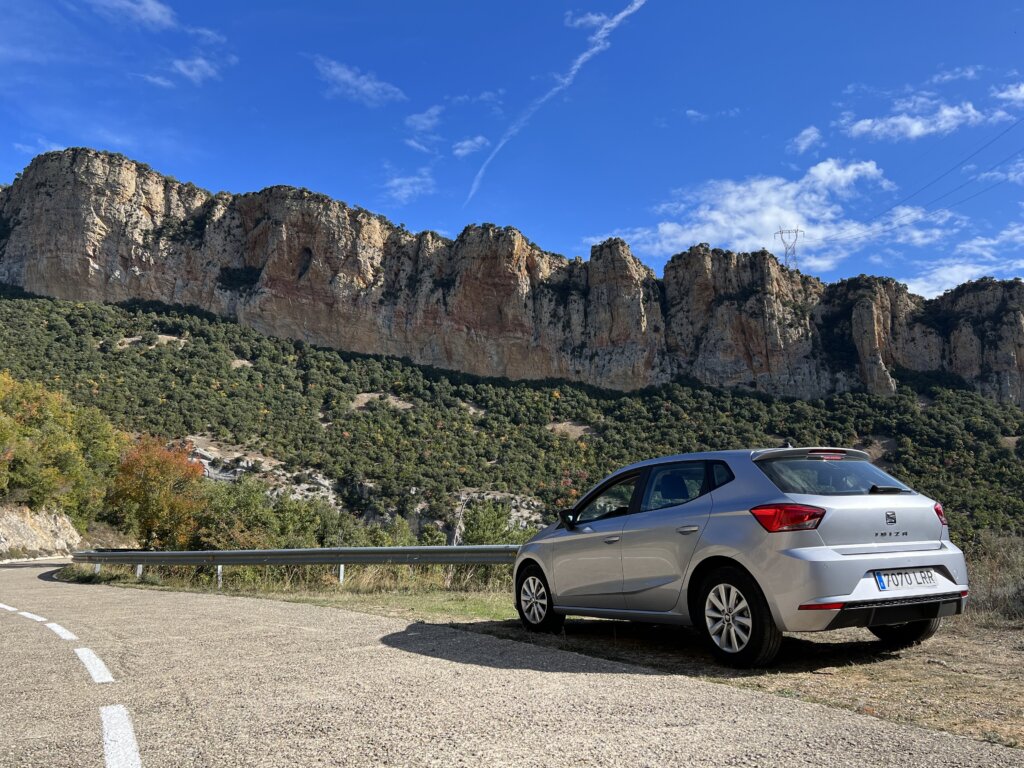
x=294, y=402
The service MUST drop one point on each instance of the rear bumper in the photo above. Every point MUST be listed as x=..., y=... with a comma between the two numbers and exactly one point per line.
x=876, y=613
x=808, y=575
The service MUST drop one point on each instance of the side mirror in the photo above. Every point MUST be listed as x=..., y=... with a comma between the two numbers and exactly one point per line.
x=568, y=518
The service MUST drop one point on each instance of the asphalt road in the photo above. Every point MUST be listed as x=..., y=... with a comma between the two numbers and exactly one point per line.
x=208, y=680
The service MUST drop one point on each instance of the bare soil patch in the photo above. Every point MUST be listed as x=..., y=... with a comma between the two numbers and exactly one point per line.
x=363, y=399
x=574, y=430
x=239, y=362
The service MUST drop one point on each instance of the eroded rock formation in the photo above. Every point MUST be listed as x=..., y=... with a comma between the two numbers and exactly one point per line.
x=87, y=225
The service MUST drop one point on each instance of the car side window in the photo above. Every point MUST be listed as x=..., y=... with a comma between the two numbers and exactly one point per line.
x=674, y=484
x=721, y=474
x=610, y=502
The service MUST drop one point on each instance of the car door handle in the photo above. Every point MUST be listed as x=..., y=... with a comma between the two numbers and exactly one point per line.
x=612, y=539
x=685, y=529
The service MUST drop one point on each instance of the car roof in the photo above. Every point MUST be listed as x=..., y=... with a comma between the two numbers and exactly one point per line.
x=753, y=454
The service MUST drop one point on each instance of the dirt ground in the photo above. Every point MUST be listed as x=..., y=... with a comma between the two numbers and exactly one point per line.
x=968, y=679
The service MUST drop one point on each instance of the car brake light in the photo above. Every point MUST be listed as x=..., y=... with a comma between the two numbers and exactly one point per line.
x=941, y=514
x=826, y=456
x=787, y=517
x=822, y=606
x=963, y=593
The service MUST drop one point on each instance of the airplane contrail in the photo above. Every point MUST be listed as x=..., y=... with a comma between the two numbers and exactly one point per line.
x=598, y=43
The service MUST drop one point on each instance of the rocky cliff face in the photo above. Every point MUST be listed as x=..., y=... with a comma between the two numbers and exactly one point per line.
x=88, y=225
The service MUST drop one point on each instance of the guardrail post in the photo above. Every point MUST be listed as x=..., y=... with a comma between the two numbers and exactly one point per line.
x=341, y=573
x=220, y=576
x=138, y=571
x=96, y=569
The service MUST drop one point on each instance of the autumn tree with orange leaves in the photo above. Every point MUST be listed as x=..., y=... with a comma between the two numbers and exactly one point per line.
x=157, y=493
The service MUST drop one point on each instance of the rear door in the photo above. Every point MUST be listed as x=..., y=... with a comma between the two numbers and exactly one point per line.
x=586, y=560
x=659, y=539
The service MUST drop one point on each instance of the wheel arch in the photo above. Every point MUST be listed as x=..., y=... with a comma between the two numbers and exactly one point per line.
x=525, y=562
x=708, y=565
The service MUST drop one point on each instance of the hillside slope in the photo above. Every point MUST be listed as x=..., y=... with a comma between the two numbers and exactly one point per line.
x=398, y=439
x=86, y=225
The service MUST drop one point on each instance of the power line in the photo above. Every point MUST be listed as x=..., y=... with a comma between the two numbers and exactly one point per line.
x=893, y=224
x=931, y=183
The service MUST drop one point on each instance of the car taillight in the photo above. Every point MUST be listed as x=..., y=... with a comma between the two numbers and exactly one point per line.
x=787, y=517
x=940, y=513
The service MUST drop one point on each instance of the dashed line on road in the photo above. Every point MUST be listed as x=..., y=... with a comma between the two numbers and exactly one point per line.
x=97, y=669
x=62, y=633
x=32, y=616
x=5, y=607
x=120, y=750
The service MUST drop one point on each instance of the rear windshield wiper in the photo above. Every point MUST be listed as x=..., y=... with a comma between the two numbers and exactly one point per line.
x=886, y=489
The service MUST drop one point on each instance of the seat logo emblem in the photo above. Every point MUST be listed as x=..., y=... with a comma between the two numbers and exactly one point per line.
x=890, y=518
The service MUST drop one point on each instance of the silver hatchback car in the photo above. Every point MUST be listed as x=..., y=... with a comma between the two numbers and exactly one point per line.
x=746, y=545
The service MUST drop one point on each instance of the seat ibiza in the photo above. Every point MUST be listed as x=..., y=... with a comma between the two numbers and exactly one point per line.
x=746, y=545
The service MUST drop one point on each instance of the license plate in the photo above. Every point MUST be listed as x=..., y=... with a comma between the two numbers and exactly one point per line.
x=905, y=578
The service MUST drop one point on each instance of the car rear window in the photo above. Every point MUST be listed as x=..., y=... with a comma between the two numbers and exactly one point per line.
x=830, y=477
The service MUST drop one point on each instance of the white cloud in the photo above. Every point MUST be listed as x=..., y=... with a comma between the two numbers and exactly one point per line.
x=695, y=116
x=469, y=146
x=404, y=189
x=40, y=145
x=1010, y=238
x=207, y=35
x=599, y=41
x=426, y=121
x=418, y=146
x=743, y=215
x=919, y=115
x=148, y=13
x=808, y=138
x=196, y=69
x=1014, y=173
x=1011, y=93
x=349, y=82
x=957, y=73
x=584, y=20
x=158, y=80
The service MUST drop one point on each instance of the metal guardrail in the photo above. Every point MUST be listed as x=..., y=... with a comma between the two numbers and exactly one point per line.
x=484, y=554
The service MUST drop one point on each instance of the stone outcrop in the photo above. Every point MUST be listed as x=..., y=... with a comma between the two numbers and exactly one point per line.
x=24, y=533
x=87, y=225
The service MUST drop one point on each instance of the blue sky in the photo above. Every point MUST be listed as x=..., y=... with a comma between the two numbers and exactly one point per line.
x=664, y=122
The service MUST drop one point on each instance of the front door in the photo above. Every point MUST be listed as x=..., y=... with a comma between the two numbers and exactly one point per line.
x=659, y=539
x=586, y=560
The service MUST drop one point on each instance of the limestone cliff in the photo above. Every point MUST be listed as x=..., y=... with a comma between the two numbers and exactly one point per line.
x=87, y=225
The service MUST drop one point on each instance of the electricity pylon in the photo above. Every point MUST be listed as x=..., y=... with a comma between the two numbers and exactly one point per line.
x=789, y=239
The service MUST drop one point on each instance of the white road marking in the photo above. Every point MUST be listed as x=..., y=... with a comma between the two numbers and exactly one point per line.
x=32, y=616
x=62, y=633
x=95, y=665
x=5, y=607
x=119, y=746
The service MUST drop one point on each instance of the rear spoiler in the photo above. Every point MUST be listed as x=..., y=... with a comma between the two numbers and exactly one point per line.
x=797, y=453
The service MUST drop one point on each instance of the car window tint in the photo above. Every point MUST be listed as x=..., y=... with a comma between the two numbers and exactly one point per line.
x=673, y=485
x=721, y=473
x=612, y=501
x=845, y=477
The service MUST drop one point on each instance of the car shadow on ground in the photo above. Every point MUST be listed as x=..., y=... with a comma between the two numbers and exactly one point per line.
x=651, y=648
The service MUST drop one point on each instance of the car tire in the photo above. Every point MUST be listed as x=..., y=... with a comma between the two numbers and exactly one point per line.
x=906, y=635
x=533, y=601
x=730, y=605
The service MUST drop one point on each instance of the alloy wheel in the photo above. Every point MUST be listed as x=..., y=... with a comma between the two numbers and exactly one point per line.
x=728, y=618
x=534, y=599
